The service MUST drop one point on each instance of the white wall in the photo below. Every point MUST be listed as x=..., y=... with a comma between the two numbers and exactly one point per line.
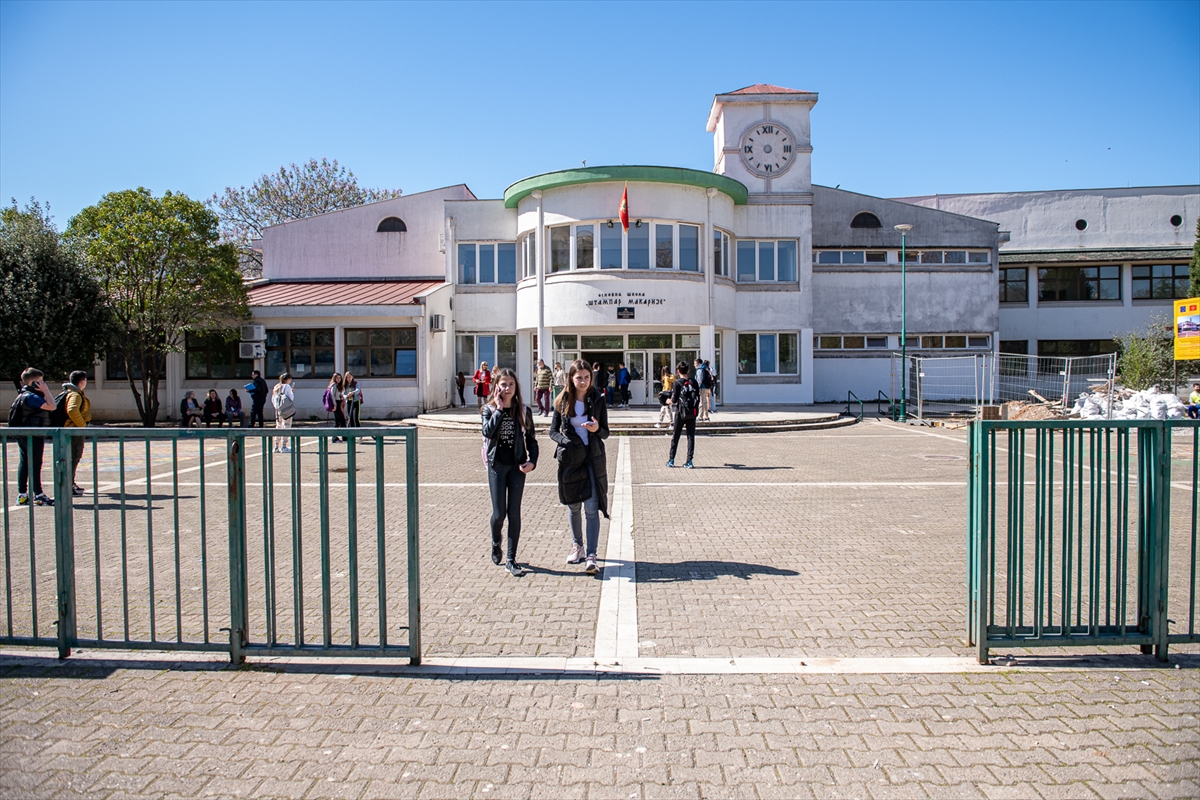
x=833, y=377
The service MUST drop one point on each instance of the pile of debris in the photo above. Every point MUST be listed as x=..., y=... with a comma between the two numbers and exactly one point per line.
x=1128, y=404
x=1032, y=410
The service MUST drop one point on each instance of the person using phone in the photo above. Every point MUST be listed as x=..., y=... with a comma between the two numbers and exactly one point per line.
x=31, y=409
x=579, y=428
x=511, y=453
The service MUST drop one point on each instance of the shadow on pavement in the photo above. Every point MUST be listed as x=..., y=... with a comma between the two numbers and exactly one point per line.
x=678, y=571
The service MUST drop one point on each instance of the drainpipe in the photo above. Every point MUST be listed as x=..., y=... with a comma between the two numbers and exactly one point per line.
x=708, y=329
x=542, y=349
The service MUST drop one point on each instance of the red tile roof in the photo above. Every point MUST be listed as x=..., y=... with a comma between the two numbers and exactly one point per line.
x=767, y=88
x=340, y=293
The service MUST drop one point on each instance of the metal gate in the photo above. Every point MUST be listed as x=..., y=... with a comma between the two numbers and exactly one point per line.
x=1071, y=527
x=291, y=543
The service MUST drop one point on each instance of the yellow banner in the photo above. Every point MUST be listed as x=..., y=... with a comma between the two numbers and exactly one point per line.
x=1187, y=329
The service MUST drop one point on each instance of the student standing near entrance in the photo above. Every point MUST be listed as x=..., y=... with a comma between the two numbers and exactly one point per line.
x=622, y=385
x=685, y=399
x=560, y=381
x=257, y=388
x=483, y=384
x=512, y=453
x=31, y=409
x=542, y=380
x=579, y=428
x=283, y=399
x=663, y=396
x=78, y=415
x=703, y=378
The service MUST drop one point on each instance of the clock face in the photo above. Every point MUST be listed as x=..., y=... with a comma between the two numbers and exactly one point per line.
x=768, y=149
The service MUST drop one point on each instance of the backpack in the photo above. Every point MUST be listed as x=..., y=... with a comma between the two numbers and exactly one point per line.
x=704, y=377
x=16, y=412
x=327, y=399
x=285, y=407
x=58, y=417
x=689, y=397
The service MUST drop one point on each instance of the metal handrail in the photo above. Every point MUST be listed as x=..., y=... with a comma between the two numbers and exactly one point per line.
x=849, y=395
x=880, y=397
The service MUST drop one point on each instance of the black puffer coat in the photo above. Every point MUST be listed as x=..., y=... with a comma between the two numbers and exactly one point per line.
x=572, y=454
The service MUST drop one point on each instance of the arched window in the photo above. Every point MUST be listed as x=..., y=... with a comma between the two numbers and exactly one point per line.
x=865, y=220
x=391, y=225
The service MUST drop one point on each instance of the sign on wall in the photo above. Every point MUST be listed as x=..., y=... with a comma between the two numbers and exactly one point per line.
x=1187, y=329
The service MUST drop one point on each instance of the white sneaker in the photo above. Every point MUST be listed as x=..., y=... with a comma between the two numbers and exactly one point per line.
x=285, y=450
x=576, y=554
x=590, y=568
x=658, y=424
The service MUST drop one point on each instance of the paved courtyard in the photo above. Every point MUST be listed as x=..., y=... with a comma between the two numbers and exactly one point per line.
x=785, y=620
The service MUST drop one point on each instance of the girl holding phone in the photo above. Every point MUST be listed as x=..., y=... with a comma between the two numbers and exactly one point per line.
x=511, y=452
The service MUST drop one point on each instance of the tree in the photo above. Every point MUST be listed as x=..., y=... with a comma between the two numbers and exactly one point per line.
x=54, y=313
x=1147, y=356
x=164, y=273
x=1194, y=271
x=295, y=192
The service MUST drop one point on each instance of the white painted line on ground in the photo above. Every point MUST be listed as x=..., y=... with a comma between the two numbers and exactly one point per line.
x=616, y=623
x=804, y=483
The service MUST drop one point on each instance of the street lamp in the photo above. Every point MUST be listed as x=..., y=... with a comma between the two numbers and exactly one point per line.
x=904, y=231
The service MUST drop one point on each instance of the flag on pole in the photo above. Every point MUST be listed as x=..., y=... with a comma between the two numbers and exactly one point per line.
x=623, y=212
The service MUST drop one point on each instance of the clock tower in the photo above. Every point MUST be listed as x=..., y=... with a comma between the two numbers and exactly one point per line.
x=761, y=138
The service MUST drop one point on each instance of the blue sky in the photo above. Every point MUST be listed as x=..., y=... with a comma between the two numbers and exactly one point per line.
x=915, y=98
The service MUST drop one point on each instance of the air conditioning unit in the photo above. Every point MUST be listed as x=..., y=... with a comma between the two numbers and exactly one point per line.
x=254, y=333
x=251, y=349
x=437, y=322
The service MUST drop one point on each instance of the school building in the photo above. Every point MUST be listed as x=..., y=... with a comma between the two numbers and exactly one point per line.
x=791, y=290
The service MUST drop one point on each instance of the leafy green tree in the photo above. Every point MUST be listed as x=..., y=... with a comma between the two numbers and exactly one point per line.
x=164, y=272
x=294, y=192
x=54, y=313
x=1147, y=356
x=1194, y=271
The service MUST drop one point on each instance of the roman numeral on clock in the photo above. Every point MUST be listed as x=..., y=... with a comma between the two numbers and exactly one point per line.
x=749, y=148
x=767, y=129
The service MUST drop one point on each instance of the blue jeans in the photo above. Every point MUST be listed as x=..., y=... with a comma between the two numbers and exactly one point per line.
x=591, y=511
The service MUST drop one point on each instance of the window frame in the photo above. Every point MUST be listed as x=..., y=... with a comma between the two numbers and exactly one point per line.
x=313, y=348
x=1005, y=280
x=1080, y=281
x=394, y=348
x=478, y=263
x=757, y=271
x=757, y=337
x=598, y=227
x=1150, y=281
x=492, y=362
x=213, y=343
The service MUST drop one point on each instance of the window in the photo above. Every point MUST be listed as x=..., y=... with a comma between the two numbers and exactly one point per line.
x=766, y=261
x=721, y=253
x=979, y=257
x=560, y=248
x=768, y=354
x=1160, y=282
x=689, y=248
x=1076, y=347
x=382, y=352
x=610, y=246
x=391, y=225
x=303, y=353
x=114, y=366
x=650, y=341
x=1014, y=285
x=638, y=238
x=1079, y=283
x=1014, y=346
x=488, y=263
x=529, y=256
x=498, y=351
x=854, y=257
x=585, y=247
x=566, y=342
x=850, y=342
x=215, y=357
x=865, y=220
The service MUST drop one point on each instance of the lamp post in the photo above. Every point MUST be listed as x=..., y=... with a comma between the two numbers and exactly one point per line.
x=904, y=231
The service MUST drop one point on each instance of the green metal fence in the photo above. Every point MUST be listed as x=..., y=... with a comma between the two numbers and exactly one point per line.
x=290, y=544
x=1071, y=531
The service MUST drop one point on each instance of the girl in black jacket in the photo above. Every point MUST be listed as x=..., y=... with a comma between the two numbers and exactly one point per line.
x=512, y=452
x=579, y=428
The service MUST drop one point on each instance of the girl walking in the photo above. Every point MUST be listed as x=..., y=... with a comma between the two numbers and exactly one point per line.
x=483, y=384
x=579, y=428
x=560, y=381
x=512, y=453
x=353, y=399
x=338, y=398
x=663, y=409
x=283, y=399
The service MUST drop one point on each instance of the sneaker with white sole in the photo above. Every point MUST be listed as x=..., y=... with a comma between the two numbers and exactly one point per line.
x=576, y=554
x=22, y=499
x=590, y=568
x=42, y=500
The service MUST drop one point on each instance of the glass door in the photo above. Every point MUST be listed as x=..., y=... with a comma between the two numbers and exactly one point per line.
x=658, y=360
x=636, y=364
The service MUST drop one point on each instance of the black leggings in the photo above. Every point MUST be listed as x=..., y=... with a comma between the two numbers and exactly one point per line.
x=507, y=484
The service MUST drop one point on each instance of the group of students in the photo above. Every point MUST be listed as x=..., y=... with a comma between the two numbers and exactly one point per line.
x=35, y=407
x=578, y=428
x=544, y=380
x=193, y=413
x=344, y=398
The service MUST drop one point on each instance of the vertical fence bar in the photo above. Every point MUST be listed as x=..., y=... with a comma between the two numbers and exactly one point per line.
x=175, y=528
x=64, y=540
x=352, y=530
x=297, y=546
x=7, y=544
x=33, y=477
x=124, y=541
x=1161, y=545
x=203, y=542
x=96, y=535
x=239, y=618
x=1195, y=507
x=326, y=587
x=150, y=539
x=414, y=578
x=972, y=432
x=268, y=493
x=380, y=546
x=1039, y=522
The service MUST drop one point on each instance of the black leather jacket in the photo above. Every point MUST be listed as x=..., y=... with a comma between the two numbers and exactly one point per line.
x=572, y=454
x=526, y=445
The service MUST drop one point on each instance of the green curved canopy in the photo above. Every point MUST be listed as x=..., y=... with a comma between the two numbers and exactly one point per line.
x=677, y=175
